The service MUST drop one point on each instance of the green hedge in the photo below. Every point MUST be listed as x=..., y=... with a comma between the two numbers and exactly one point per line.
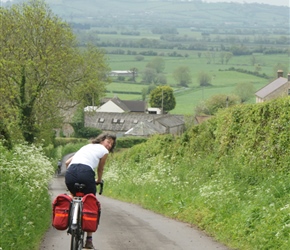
x=128, y=142
x=60, y=141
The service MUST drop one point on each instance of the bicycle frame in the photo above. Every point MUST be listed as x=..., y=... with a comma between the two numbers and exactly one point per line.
x=75, y=228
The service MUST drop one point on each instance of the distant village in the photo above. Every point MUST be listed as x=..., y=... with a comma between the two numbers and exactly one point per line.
x=135, y=118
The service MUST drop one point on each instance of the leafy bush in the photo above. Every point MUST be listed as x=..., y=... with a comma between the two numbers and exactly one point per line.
x=72, y=147
x=64, y=141
x=87, y=132
x=25, y=203
x=128, y=142
x=229, y=176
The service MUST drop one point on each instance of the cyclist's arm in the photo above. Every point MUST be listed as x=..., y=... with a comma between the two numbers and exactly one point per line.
x=68, y=161
x=101, y=167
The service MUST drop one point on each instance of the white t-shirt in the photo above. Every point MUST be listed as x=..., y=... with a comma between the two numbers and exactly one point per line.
x=90, y=155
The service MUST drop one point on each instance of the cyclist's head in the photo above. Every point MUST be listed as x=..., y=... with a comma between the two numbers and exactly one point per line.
x=106, y=136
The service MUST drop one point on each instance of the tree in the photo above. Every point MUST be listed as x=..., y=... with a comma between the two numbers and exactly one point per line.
x=42, y=70
x=225, y=57
x=244, y=90
x=139, y=58
x=147, y=91
x=134, y=73
x=204, y=79
x=182, y=76
x=149, y=75
x=157, y=63
x=228, y=56
x=161, y=79
x=253, y=60
x=216, y=102
x=162, y=97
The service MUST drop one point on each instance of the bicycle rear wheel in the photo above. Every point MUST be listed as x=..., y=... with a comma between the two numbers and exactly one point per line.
x=76, y=240
x=77, y=236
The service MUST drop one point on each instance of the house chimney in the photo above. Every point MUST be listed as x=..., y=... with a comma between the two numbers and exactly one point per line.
x=279, y=73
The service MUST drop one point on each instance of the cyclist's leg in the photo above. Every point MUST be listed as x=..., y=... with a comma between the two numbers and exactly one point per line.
x=88, y=177
x=89, y=241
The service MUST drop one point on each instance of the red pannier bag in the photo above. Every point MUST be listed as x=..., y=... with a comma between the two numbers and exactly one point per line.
x=61, y=209
x=91, y=213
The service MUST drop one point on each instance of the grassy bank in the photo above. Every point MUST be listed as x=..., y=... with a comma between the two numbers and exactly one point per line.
x=25, y=212
x=229, y=176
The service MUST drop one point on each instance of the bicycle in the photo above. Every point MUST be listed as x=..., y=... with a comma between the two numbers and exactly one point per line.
x=75, y=226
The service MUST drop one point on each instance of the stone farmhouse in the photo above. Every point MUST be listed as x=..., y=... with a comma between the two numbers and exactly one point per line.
x=280, y=87
x=132, y=118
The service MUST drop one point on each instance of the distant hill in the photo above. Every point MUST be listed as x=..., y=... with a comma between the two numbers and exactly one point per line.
x=135, y=14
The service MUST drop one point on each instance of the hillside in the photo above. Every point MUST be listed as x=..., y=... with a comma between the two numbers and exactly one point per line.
x=229, y=176
x=193, y=34
x=132, y=14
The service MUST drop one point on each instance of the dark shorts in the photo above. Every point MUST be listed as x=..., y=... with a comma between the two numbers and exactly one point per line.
x=82, y=174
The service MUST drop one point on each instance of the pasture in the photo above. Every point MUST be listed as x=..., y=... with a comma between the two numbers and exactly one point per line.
x=222, y=81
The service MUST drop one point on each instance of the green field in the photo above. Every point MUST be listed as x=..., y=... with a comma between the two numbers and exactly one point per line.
x=132, y=27
x=223, y=82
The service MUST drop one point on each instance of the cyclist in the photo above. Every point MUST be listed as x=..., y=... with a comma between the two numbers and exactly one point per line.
x=81, y=168
x=59, y=163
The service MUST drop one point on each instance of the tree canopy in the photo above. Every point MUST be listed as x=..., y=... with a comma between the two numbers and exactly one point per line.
x=182, y=76
x=204, y=79
x=216, y=102
x=245, y=91
x=42, y=70
x=162, y=97
x=157, y=63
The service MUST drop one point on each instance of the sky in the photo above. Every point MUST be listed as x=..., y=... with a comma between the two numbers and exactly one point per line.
x=271, y=2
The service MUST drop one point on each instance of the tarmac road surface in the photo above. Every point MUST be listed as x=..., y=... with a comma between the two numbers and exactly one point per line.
x=125, y=226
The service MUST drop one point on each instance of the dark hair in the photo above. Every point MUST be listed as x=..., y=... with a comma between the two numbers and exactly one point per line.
x=105, y=136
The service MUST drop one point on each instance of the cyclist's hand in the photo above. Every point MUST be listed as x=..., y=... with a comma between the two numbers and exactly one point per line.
x=101, y=185
x=99, y=182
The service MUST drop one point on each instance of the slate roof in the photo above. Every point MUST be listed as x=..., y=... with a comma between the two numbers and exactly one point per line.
x=120, y=103
x=272, y=86
x=170, y=120
x=144, y=128
x=135, y=106
x=130, y=106
x=122, y=122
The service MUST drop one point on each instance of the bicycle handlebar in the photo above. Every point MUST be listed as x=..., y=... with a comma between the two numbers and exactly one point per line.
x=101, y=186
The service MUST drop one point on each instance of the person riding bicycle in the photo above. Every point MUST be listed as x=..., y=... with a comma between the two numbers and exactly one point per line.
x=81, y=168
x=59, y=164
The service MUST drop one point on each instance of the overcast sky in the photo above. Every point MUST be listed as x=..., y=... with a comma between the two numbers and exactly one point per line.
x=272, y=2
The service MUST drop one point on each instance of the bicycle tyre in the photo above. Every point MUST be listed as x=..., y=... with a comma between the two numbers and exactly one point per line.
x=77, y=238
x=74, y=241
x=76, y=233
x=81, y=240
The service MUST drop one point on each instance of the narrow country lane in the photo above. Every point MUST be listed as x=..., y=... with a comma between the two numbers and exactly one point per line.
x=125, y=226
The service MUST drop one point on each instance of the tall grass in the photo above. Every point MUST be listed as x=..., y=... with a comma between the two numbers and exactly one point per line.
x=25, y=212
x=229, y=176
